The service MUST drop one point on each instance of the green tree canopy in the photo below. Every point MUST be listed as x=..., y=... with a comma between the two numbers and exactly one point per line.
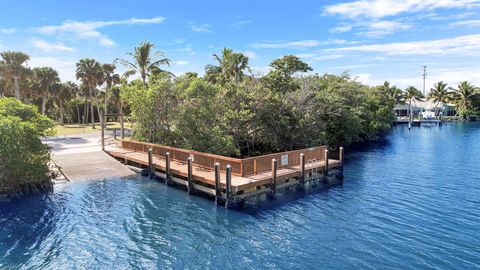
x=23, y=157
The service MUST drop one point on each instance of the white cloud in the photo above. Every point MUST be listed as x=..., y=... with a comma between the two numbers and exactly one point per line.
x=466, y=23
x=251, y=54
x=465, y=45
x=451, y=76
x=363, y=78
x=320, y=56
x=288, y=45
x=328, y=57
x=89, y=29
x=200, y=28
x=382, y=28
x=377, y=9
x=341, y=29
x=188, y=49
x=260, y=70
x=106, y=42
x=64, y=66
x=48, y=47
x=180, y=63
x=302, y=44
x=7, y=30
x=240, y=24
x=305, y=55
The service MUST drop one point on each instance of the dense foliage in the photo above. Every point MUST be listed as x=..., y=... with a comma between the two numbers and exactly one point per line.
x=23, y=156
x=229, y=110
x=247, y=117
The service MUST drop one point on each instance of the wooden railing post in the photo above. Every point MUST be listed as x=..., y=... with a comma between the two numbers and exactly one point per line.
x=115, y=134
x=151, y=171
x=228, y=188
x=167, y=168
x=122, y=128
x=190, y=176
x=218, y=194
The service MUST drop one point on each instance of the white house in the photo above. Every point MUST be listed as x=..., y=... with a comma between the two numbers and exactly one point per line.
x=444, y=109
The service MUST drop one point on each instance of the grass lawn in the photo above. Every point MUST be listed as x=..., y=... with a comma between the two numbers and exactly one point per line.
x=87, y=128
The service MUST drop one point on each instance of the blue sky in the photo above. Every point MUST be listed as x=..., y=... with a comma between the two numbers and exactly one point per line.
x=374, y=40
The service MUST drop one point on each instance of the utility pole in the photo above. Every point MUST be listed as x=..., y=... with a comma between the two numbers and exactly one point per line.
x=424, y=77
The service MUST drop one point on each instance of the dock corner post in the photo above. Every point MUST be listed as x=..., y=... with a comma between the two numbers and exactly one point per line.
x=273, y=190
x=167, y=168
x=102, y=124
x=115, y=134
x=218, y=195
x=228, y=188
x=325, y=169
x=190, y=176
x=341, y=157
x=301, y=184
x=151, y=171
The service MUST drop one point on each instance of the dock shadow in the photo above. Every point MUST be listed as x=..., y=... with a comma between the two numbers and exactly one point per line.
x=257, y=205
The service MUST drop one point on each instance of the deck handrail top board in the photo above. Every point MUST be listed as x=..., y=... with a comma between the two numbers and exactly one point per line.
x=184, y=150
x=224, y=157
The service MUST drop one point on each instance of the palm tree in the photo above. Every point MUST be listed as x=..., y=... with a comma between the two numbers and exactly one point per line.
x=463, y=97
x=64, y=92
x=45, y=78
x=110, y=78
x=145, y=61
x=231, y=65
x=12, y=67
x=3, y=86
x=90, y=73
x=412, y=94
x=74, y=96
x=439, y=93
x=393, y=93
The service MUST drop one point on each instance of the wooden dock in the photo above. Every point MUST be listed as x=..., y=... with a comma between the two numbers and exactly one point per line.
x=230, y=180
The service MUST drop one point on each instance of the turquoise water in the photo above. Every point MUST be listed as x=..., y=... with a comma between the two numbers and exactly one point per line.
x=409, y=202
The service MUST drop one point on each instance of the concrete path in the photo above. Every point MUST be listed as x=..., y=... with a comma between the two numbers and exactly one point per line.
x=80, y=158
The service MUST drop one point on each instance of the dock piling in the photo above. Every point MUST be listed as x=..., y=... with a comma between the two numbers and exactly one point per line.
x=273, y=187
x=228, y=189
x=151, y=172
x=340, y=157
x=189, y=175
x=167, y=168
x=325, y=170
x=218, y=194
x=301, y=183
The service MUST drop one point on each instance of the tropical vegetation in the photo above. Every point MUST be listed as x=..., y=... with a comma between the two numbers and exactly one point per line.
x=23, y=157
x=229, y=110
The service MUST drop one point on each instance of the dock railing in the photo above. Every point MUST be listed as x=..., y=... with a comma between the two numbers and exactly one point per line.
x=260, y=164
x=240, y=167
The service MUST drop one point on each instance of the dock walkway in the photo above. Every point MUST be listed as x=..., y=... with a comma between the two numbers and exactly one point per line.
x=81, y=158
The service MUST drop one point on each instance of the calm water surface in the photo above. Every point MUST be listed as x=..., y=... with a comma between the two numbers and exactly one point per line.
x=411, y=202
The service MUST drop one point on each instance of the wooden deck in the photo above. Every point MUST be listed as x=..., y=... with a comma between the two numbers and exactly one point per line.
x=252, y=175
